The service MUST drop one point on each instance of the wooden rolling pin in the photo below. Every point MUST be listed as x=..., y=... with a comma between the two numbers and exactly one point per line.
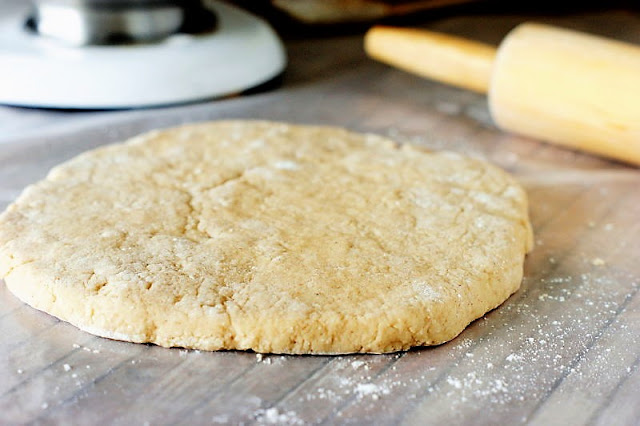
x=558, y=85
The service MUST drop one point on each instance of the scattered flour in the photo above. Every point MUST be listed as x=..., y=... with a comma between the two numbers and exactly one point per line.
x=357, y=364
x=287, y=165
x=220, y=419
x=454, y=382
x=371, y=389
x=514, y=358
x=273, y=416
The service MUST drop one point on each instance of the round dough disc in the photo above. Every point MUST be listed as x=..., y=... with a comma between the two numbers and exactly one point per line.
x=267, y=236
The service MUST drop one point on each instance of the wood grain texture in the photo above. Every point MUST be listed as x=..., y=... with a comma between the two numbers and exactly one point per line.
x=565, y=349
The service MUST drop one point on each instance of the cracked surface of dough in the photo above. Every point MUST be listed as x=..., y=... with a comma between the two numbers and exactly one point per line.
x=267, y=236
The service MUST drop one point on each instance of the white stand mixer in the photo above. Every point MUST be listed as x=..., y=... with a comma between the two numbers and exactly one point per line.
x=106, y=54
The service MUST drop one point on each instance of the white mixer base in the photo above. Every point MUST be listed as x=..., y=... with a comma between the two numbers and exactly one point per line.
x=241, y=53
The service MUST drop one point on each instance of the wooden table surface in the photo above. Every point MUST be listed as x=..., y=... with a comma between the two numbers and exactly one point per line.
x=565, y=349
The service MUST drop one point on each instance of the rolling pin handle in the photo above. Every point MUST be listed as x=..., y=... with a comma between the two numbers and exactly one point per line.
x=449, y=59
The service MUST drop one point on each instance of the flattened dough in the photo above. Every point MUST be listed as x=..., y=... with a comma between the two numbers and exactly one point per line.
x=267, y=236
